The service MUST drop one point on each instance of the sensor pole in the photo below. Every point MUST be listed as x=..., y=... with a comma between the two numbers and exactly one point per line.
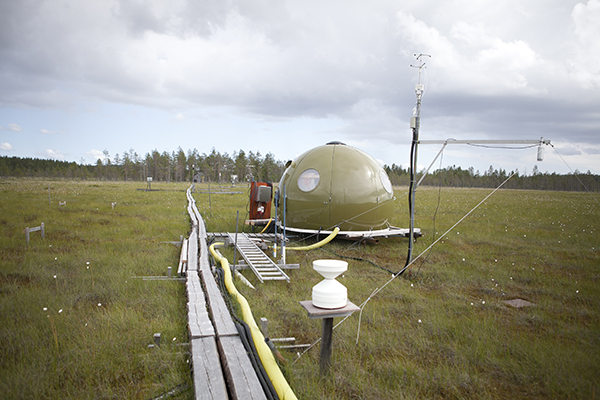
x=415, y=123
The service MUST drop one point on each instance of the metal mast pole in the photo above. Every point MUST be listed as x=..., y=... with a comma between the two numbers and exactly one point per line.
x=415, y=123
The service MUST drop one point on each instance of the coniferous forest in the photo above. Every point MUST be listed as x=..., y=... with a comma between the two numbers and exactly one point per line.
x=216, y=167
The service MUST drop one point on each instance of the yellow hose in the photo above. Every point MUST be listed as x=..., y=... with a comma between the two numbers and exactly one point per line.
x=318, y=244
x=283, y=389
x=268, y=223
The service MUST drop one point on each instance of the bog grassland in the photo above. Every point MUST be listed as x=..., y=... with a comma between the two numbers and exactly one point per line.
x=74, y=323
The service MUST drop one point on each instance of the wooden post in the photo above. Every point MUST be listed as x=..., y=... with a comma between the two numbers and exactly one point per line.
x=40, y=228
x=209, y=201
x=326, y=336
x=264, y=327
x=327, y=315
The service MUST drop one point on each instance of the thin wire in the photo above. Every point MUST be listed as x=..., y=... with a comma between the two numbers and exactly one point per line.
x=574, y=173
x=358, y=259
x=502, y=147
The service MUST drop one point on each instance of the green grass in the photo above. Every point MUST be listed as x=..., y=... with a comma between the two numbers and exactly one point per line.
x=441, y=330
x=74, y=322
x=539, y=246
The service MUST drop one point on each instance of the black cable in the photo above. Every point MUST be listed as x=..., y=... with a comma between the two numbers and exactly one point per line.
x=358, y=259
x=410, y=192
x=265, y=382
x=269, y=389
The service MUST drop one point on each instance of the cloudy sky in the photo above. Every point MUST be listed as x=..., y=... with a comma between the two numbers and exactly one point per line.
x=79, y=77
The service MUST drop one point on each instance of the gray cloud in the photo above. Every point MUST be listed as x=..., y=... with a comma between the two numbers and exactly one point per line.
x=498, y=69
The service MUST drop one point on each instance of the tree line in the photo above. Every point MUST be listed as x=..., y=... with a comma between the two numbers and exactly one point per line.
x=454, y=176
x=216, y=167
x=176, y=166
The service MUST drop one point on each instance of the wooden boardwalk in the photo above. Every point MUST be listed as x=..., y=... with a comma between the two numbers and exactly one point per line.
x=221, y=366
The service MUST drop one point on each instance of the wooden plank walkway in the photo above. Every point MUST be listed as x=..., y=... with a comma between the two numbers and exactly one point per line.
x=221, y=367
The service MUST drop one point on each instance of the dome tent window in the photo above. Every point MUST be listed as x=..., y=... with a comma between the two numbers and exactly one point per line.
x=308, y=180
x=385, y=181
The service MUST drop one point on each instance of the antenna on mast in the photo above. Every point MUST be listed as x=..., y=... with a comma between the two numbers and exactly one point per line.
x=421, y=63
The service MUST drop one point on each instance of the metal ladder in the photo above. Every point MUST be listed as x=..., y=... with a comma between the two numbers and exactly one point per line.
x=264, y=268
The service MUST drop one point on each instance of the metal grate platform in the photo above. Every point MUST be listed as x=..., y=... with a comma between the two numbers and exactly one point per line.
x=262, y=265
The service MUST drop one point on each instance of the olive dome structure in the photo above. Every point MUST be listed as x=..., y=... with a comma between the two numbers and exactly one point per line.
x=336, y=185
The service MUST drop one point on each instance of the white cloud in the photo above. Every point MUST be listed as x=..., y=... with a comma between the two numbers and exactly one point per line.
x=5, y=146
x=47, y=132
x=95, y=155
x=54, y=154
x=470, y=59
x=179, y=117
x=14, y=127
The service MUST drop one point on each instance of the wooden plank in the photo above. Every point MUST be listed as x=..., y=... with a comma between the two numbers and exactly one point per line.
x=192, y=216
x=242, y=380
x=317, y=313
x=193, y=285
x=193, y=252
x=199, y=322
x=209, y=382
x=182, y=267
x=222, y=320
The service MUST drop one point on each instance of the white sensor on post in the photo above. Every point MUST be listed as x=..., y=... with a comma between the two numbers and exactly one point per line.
x=329, y=293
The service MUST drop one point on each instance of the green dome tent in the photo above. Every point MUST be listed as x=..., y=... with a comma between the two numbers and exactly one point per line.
x=336, y=185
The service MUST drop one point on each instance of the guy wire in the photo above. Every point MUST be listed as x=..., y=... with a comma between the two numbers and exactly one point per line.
x=576, y=175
